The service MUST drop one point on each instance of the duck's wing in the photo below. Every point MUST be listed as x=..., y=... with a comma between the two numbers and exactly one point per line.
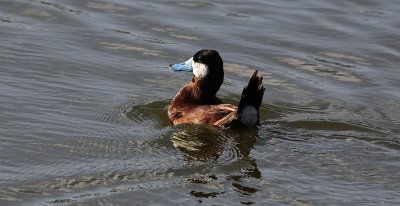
x=212, y=114
x=206, y=114
x=228, y=120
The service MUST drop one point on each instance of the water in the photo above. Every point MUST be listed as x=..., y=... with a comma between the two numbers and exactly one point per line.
x=84, y=87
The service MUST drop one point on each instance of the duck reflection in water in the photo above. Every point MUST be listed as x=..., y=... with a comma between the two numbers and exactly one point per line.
x=203, y=143
x=206, y=143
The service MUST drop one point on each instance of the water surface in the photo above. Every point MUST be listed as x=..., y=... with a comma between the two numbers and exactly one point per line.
x=84, y=87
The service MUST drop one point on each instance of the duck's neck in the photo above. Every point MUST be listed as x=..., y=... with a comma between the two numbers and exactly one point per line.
x=198, y=91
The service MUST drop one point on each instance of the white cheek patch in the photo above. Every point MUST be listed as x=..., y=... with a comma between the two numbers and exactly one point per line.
x=199, y=70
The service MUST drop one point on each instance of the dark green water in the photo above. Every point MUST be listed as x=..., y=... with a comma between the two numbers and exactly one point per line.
x=84, y=87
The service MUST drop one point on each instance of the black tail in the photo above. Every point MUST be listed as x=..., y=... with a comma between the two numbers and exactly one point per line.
x=250, y=101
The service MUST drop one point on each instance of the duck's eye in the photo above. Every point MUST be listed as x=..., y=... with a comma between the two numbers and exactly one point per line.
x=200, y=70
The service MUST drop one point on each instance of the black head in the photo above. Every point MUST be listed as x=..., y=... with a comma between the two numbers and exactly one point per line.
x=208, y=69
x=210, y=58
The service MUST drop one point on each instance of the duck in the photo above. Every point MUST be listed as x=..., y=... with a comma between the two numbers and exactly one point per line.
x=197, y=102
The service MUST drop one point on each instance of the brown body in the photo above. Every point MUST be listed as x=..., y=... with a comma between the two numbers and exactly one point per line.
x=194, y=105
x=197, y=102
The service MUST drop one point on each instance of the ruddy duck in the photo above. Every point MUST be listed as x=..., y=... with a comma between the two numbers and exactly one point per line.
x=197, y=102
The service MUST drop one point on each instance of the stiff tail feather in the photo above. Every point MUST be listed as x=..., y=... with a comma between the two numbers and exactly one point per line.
x=247, y=113
x=250, y=101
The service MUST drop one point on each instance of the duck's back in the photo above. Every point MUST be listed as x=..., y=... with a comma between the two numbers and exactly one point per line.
x=200, y=114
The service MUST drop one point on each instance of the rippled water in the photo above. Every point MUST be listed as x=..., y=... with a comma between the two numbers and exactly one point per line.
x=84, y=87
